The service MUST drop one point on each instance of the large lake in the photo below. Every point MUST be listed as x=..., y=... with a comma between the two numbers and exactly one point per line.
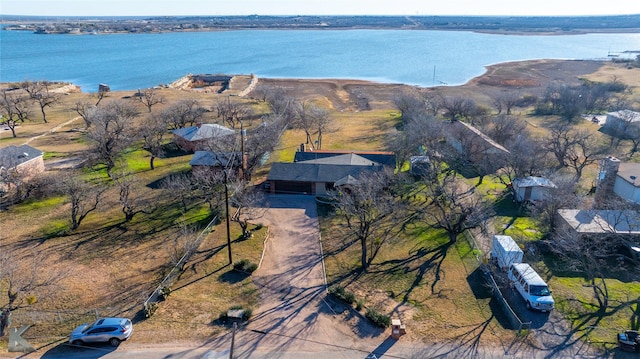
x=424, y=58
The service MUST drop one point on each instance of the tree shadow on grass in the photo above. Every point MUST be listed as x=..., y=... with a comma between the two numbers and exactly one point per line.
x=233, y=276
x=433, y=260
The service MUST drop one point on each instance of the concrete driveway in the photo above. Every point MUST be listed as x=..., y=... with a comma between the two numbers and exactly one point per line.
x=294, y=316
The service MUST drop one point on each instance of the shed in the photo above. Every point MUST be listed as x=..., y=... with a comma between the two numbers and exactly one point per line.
x=530, y=189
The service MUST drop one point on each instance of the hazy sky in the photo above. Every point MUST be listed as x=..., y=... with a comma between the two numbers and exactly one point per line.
x=317, y=7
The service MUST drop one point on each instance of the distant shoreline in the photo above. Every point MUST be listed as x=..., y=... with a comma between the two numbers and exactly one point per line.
x=502, y=25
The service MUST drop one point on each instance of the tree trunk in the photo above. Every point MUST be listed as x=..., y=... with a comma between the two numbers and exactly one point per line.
x=4, y=321
x=453, y=237
x=44, y=115
x=151, y=162
x=363, y=255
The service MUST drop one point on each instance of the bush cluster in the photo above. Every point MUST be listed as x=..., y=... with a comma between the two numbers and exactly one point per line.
x=245, y=265
x=342, y=294
x=377, y=318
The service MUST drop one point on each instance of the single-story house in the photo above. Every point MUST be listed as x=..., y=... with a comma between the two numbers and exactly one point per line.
x=623, y=179
x=619, y=121
x=531, y=188
x=601, y=221
x=625, y=224
x=197, y=137
x=22, y=160
x=318, y=176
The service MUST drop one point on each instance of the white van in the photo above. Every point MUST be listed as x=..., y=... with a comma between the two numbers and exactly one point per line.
x=531, y=287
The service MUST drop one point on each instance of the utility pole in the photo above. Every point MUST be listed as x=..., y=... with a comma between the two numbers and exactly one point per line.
x=226, y=202
x=233, y=339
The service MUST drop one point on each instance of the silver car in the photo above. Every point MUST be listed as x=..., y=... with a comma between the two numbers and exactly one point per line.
x=105, y=330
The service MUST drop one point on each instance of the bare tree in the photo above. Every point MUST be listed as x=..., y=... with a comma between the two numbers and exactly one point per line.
x=457, y=107
x=559, y=141
x=39, y=92
x=313, y=120
x=15, y=107
x=111, y=131
x=250, y=205
x=208, y=185
x=131, y=204
x=183, y=242
x=591, y=256
x=152, y=130
x=526, y=157
x=149, y=98
x=261, y=141
x=179, y=186
x=506, y=101
x=411, y=106
x=183, y=113
x=450, y=204
x=84, y=109
x=25, y=280
x=281, y=104
x=370, y=212
x=586, y=150
x=573, y=148
x=419, y=136
x=84, y=198
x=233, y=113
x=504, y=129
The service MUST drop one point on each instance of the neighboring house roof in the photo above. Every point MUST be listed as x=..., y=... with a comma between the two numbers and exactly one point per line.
x=203, y=132
x=215, y=159
x=348, y=159
x=533, y=182
x=13, y=156
x=381, y=157
x=630, y=172
x=602, y=221
x=468, y=129
x=315, y=172
x=626, y=115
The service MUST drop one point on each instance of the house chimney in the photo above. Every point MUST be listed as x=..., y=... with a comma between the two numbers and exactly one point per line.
x=302, y=147
x=606, y=178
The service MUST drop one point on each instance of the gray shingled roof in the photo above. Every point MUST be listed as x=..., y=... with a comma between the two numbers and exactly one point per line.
x=203, y=132
x=12, y=156
x=315, y=172
x=381, y=158
x=534, y=182
x=208, y=158
x=347, y=159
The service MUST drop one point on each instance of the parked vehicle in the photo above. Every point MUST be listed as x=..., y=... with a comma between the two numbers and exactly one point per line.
x=629, y=341
x=105, y=330
x=505, y=251
x=531, y=287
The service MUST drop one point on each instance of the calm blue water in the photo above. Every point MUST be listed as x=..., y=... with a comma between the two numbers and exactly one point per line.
x=134, y=61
